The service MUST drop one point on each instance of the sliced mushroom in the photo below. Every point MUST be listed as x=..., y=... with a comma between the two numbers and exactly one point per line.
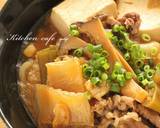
x=70, y=43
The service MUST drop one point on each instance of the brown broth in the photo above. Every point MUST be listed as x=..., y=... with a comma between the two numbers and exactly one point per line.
x=47, y=30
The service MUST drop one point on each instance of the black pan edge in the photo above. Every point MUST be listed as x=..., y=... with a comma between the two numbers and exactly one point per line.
x=10, y=102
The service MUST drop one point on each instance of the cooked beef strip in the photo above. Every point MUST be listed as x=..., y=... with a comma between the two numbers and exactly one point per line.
x=147, y=122
x=130, y=123
x=116, y=110
x=131, y=21
x=152, y=116
x=107, y=20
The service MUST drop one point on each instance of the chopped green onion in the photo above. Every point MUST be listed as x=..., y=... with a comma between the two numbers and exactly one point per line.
x=95, y=80
x=109, y=34
x=127, y=44
x=119, y=76
x=121, y=79
x=139, y=63
x=74, y=30
x=78, y=52
x=158, y=67
x=135, y=56
x=96, y=73
x=115, y=88
x=114, y=74
x=105, y=66
x=95, y=49
x=138, y=71
x=88, y=95
x=145, y=75
x=154, y=51
x=127, y=56
x=73, y=27
x=128, y=75
x=118, y=28
x=85, y=66
x=141, y=77
x=114, y=39
x=120, y=43
x=90, y=48
x=104, y=77
x=96, y=68
x=145, y=82
x=135, y=48
x=146, y=67
x=101, y=60
x=105, y=53
x=117, y=66
x=74, y=33
x=88, y=71
x=145, y=37
x=96, y=56
x=149, y=73
x=98, y=48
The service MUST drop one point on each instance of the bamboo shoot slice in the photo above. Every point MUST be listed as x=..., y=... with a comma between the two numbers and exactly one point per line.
x=132, y=89
x=154, y=101
x=156, y=78
x=124, y=62
x=95, y=29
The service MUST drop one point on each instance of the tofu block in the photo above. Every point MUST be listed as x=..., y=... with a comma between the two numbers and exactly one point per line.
x=71, y=11
x=149, y=11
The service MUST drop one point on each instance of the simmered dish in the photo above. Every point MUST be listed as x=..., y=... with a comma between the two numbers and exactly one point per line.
x=102, y=70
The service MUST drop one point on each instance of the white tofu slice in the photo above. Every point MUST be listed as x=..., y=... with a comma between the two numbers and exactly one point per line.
x=71, y=11
x=149, y=11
